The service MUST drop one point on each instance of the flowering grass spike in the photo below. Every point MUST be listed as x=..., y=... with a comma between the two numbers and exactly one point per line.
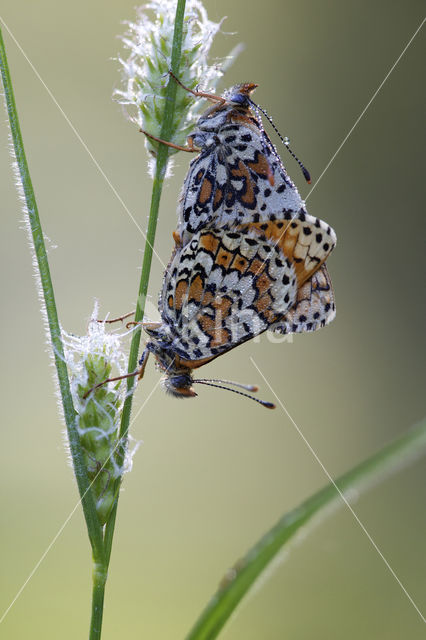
x=91, y=359
x=146, y=70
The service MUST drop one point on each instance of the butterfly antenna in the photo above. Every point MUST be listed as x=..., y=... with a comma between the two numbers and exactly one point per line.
x=247, y=387
x=268, y=405
x=285, y=142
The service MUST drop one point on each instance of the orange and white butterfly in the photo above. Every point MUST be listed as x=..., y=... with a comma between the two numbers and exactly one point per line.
x=249, y=258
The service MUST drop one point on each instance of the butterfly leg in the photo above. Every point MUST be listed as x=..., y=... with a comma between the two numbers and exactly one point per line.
x=142, y=362
x=133, y=323
x=177, y=238
x=199, y=94
x=120, y=319
x=189, y=148
x=127, y=375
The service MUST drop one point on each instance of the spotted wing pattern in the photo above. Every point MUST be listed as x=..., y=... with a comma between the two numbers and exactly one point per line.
x=304, y=240
x=314, y=307
x=222, y=289
x=237, y=173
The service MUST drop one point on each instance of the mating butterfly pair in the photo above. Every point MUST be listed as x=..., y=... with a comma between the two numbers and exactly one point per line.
x=248, y=257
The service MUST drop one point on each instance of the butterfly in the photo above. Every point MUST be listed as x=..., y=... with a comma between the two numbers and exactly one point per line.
x=239, y=181
x=220, y=290
x=225, y=287
x=308, y=242
x=248, y=256
x=238, y=173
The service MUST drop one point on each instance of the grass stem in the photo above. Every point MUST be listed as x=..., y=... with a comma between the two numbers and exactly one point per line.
x=160, y=172
x=43, y=272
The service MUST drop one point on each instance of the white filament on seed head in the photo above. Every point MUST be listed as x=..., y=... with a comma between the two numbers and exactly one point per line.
x=97, y=343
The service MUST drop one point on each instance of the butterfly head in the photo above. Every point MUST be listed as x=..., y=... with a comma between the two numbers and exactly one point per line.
x=179, y=384
x=240, y=94
x=177, y=379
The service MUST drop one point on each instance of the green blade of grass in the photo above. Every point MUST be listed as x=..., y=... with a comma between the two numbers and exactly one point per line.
x=160, y=172
x=391, y=458
x=43, y=272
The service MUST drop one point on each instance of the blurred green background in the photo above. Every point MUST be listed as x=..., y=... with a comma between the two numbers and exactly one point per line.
x=215, y=472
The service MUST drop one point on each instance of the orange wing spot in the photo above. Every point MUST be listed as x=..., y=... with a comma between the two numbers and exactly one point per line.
x=270, y=316
x=180, y=293
x=264, y=228
x=199, y=175
x=242, y=172
x=218, y=197
x=207, y=324
x=240, y=263
x=205, y=191
x=222, y=306
x=271, y=178
x=224, y=258
x=256, y=266
x=208, y=299
x=263, y=304
x=263, y=284
x=287, y=244
x=302, y=273
x=285, y=234
x=287, y=239
x=196, y=289
x=262, y=167
x=219, y=336
x=209, y=242
x=239, y=118
x=170, y=302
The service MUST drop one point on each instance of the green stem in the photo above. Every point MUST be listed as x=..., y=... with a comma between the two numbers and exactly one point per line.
x=87, y=500
x=373, y=470
x=160, y=172
x=98, y=593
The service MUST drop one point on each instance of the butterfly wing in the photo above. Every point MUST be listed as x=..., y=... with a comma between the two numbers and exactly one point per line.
x=237, y=173
x=306, y=241
x=222, y=289
x=314, y=307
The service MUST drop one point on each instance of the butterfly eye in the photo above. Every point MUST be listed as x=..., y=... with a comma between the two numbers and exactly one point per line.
x=179, y=386
x=238, y=98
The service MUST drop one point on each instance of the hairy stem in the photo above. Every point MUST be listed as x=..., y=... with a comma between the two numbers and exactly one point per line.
x=87, y=500
x=160, y=172
x=98, y=593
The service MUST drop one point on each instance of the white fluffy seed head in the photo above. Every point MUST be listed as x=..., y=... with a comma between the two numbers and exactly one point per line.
x=145, y=70
x=90, y=360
